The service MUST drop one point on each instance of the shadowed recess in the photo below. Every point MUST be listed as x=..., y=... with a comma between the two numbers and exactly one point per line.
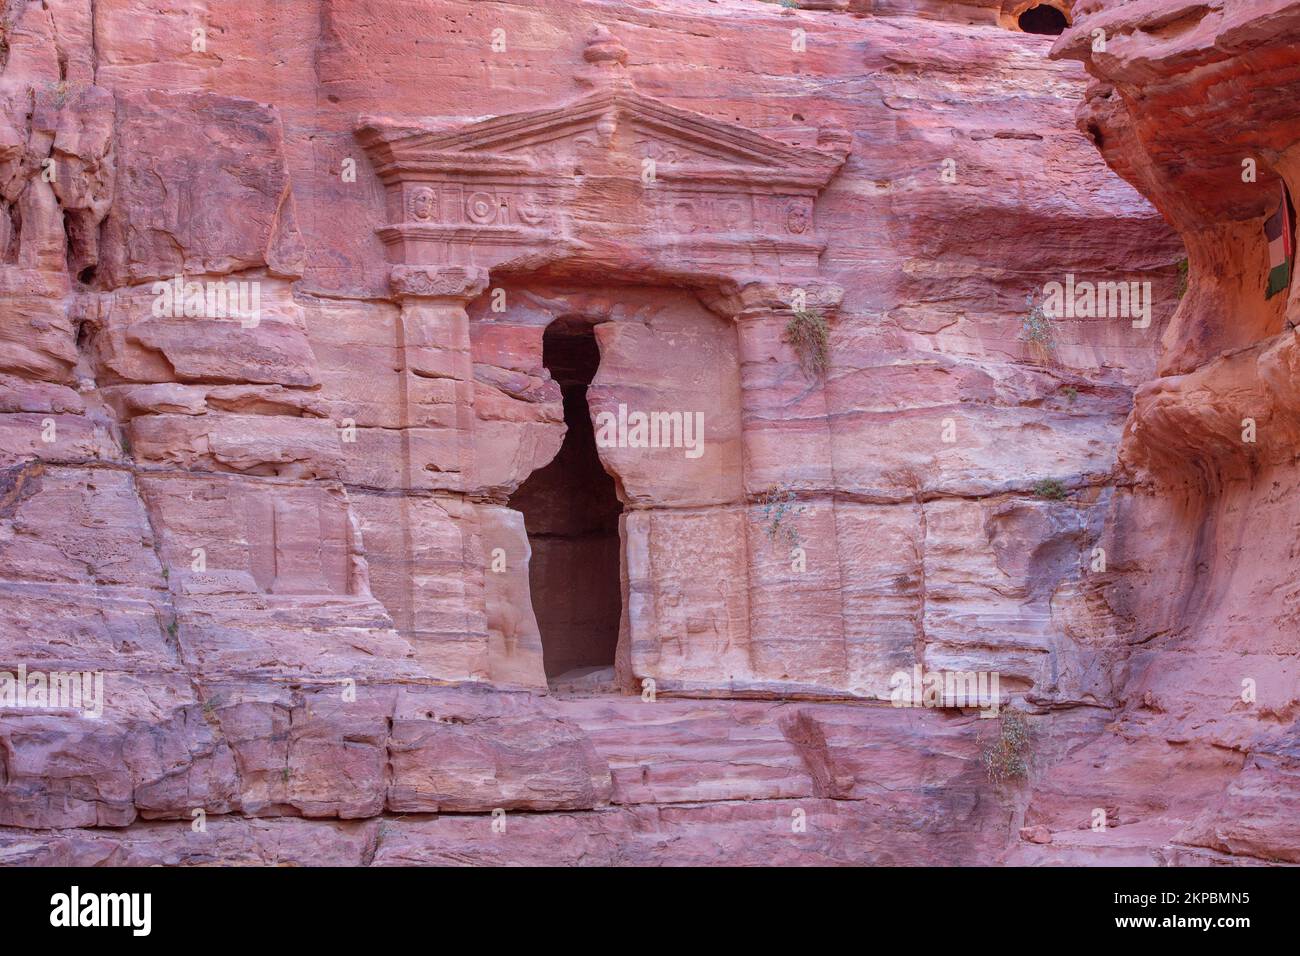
x=1043, y=19
x=571, y=514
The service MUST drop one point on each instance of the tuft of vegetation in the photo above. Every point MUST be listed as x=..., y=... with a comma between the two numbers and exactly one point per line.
x=1182, y=278
x=810, y=335
x=1006, y=756
x=1051, y=489
x=210, y=705
x=1071, y=393
x=1036, y=329
x=778, y=505
x=386, y=827
x=59, y=91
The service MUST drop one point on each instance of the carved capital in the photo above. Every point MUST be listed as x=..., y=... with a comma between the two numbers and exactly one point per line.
x=438, y=282
x=765, y=298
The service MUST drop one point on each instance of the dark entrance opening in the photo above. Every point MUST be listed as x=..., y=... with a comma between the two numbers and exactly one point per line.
x=571, y=514
x=1043, y=19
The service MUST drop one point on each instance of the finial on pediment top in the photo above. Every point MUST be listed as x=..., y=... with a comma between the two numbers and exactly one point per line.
x=603, y=48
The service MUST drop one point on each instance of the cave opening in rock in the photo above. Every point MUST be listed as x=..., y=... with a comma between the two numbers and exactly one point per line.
x=1043, y=19
x=571, y=513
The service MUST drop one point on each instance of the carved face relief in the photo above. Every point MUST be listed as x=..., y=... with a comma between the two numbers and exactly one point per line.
x=797, y=219
x=423, y=205
x=530, y=211
x=732, y=214
x=684, y=216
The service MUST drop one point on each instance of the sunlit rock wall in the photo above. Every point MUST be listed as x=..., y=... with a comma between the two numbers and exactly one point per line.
x=273, y=530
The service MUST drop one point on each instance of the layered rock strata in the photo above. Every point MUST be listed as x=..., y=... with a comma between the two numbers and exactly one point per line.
x=277, y=518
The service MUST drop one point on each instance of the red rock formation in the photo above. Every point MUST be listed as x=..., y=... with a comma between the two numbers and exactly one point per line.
x=1195, y=103
x=278, y=422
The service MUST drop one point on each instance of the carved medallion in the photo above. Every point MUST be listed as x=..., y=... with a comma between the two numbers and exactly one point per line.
x=481, y=208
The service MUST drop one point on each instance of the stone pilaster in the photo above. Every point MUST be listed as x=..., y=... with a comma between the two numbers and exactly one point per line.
x=795, y=575
x=444, y=597
x=437, y=373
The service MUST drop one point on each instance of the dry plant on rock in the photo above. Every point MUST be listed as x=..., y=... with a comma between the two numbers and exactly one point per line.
x=809, y=334
x=1006, y=756
x=1037, y=331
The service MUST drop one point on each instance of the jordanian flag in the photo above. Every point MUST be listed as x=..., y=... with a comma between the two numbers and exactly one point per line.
x=1279, y=229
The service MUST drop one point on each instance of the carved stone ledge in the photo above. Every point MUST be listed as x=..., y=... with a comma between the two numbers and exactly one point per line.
x=438, y=282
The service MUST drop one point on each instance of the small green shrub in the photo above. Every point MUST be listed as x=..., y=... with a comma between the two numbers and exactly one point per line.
x=1051, y=489
x=1182, y=277
x=809, y=334
x=778, y=504
x=1070, y=393
x=1006, y=756
x=210, y=706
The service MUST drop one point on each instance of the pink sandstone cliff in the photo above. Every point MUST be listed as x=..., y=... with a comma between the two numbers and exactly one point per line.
x=361, y=581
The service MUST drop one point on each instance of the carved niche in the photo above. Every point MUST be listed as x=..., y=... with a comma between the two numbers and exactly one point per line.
x=617, y=178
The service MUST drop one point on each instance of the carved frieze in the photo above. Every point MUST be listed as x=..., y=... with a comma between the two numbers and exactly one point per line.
x=615, y=175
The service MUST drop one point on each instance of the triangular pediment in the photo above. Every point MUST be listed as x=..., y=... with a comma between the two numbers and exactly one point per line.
x=623, y=116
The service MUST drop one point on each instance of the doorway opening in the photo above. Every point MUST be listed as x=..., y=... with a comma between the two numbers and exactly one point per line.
x=571, y=513
x=1043, y=19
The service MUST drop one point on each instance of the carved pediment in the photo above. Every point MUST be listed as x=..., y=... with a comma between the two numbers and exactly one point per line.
x=614, y=166
x=620, y=120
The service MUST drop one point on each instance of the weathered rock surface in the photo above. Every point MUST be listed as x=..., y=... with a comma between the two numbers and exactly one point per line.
x=274, y=369
x=1201, y=543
